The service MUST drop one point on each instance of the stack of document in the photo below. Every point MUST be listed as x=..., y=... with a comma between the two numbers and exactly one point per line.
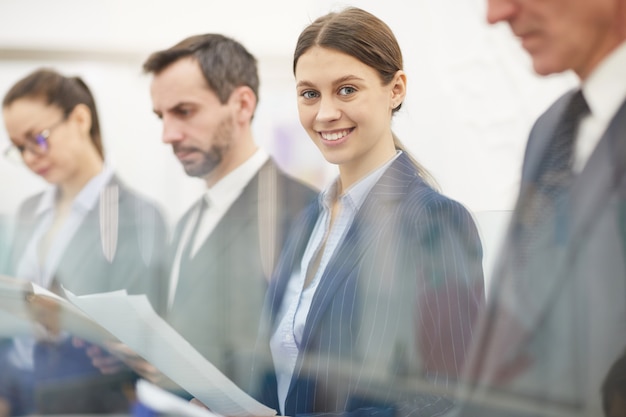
x=131, y=320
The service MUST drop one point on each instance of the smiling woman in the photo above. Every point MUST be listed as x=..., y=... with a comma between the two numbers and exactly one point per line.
x=88, y=233
x=346, y=110
x=381, y=279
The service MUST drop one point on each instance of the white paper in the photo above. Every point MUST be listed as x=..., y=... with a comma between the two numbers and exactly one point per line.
x=14, y=293
x=132, y=320
x=165, y=402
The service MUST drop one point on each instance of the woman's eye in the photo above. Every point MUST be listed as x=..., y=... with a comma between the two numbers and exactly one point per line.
x=347, y=90
x=309, y=94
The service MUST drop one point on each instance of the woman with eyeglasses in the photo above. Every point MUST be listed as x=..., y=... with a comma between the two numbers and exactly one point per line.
x=87, y=233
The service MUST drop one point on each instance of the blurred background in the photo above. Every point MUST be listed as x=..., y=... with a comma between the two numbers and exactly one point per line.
x=472, y=94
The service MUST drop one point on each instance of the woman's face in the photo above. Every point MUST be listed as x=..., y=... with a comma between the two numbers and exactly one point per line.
x=346, y=110
x=59, y=159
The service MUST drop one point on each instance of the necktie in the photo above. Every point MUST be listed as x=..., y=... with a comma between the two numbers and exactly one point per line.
x=555, y=170
x=546, y=206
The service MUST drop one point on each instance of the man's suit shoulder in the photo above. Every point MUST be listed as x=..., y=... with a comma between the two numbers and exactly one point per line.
x=556, y=109
x=292, y=195
x=294, y=188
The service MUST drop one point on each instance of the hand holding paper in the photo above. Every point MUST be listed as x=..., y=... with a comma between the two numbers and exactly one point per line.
x=30, y=303
x=128, y=326
x=45, y=311
x=133, y=321
x=127, y=356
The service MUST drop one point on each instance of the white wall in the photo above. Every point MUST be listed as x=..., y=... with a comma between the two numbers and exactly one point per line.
x=472, y=94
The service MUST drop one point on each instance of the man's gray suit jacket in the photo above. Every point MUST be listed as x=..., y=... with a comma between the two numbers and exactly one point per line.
x=220, y=292
x=557, y=322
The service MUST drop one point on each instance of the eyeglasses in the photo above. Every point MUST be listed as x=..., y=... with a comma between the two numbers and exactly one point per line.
x=36, y=144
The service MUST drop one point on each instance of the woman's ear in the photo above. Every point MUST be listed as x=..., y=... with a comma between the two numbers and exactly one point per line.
x=398, y=89
x=244, y=101
x=81, y=116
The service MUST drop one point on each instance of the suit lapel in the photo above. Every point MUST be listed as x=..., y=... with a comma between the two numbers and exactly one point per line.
x=601, y=176
x=292, y=255
x=532, y=160
x=590, y=195
x=363, y=232
x=507, y=286
x=347, y=256
x=239, y=215
x=194, y=270
x=549, y=126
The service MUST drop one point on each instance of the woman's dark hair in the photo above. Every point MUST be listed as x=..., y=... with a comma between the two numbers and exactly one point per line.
x=60, y=91
x=361, y=35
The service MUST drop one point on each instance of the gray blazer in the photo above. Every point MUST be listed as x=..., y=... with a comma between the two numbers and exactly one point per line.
x=220, y=292
x=554, y=326
x=119, y=245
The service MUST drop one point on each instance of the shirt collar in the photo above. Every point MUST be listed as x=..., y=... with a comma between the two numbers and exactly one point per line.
x=226, y=190
x=356, y=194
x=86, y=198
x=605, y=89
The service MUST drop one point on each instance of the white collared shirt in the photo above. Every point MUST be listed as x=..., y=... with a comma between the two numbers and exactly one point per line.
x=605, y=91
x=218, y=199
x=297, y=300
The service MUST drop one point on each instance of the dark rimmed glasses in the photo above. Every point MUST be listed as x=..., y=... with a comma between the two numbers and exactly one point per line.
x=36, y=144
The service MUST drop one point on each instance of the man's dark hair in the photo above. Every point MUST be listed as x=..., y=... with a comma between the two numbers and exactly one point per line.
x=224, y=62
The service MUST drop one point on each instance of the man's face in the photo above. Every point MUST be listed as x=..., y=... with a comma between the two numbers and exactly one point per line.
x=199, y=127
x=563, y=35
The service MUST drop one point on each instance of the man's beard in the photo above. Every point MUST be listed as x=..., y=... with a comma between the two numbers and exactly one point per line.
x=211, y=159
